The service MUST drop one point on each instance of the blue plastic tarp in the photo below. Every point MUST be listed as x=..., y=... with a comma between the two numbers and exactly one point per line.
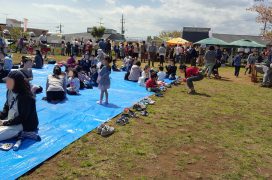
x=61, y=124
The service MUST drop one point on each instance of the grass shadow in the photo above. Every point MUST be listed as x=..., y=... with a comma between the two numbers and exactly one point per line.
x=224, y=79
x=201, y=94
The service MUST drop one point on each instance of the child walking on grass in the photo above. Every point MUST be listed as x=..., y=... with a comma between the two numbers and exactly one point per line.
x=237, y=63
x=103, y=80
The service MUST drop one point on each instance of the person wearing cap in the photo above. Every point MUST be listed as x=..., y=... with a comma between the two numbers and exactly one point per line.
x=19, y=112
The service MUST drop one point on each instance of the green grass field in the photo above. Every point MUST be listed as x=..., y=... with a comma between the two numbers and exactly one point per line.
x=224, y=132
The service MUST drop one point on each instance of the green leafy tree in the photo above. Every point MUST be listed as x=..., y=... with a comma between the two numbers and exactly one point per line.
x=16, y=33
x=149, y=39
x=98, y=32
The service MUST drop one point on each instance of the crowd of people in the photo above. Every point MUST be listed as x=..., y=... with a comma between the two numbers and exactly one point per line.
x=94, y=68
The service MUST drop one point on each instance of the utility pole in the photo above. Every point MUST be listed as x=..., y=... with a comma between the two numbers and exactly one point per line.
x=100, y=21
x=122, y=25
x=60, y=28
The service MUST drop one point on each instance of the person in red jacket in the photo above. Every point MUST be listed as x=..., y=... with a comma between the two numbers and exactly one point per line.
x=151, y=83
x=193, y=74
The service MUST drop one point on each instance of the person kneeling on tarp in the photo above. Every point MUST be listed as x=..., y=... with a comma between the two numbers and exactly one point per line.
x=19, y=113
x=193, y=74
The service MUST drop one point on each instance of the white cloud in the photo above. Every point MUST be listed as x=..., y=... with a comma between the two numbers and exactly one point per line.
x=224, y=16
x=111, y=2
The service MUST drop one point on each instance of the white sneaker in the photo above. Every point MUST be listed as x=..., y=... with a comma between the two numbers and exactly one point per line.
x=99, y=128
x=107, y=130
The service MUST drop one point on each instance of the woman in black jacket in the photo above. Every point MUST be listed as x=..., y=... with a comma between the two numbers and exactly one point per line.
x=19, y=113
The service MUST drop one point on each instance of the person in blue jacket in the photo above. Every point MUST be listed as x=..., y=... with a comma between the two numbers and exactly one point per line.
x=237, y=63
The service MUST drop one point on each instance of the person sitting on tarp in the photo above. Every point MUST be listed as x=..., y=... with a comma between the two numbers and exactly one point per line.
x=83, y=78
x=114, y=66
x=151, y=83
x=8, y=64
x=19, y=113
x=85, y=63
x=93, y=76
x=26, y=69
x=73, y=83
x=171, y=70
x=135, y=72
x=56, y=86
x=71, y=62
x=145, y=76
x=38, y=61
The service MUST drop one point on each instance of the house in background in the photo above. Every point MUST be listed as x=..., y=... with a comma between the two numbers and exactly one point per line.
x=110, y=34
x=13, y=23
x=194, y=34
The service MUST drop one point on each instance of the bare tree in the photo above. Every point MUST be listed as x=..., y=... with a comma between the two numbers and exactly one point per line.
x=264, y=17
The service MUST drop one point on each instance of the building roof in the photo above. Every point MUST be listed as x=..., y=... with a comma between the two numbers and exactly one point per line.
x=14, y=21
x=231, y=37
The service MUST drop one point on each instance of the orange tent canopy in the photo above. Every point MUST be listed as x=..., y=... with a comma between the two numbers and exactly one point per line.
x=178, y=41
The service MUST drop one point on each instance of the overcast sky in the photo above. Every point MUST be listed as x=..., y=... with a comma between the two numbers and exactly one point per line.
x=143, y=17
